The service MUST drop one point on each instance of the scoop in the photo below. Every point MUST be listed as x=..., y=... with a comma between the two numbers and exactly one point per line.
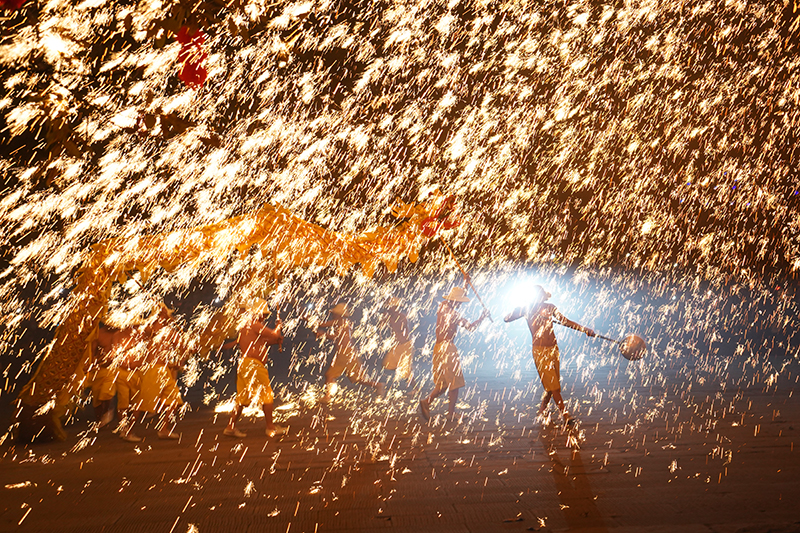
x=632, y=347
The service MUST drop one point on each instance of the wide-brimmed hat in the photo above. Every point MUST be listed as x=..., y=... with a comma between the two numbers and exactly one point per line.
x=539, y=294
x=341, y=310
x=457, y=294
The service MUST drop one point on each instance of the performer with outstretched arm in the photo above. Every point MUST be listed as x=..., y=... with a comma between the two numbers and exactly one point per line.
x=252, y=376
x=540, y=317
x=447, y=374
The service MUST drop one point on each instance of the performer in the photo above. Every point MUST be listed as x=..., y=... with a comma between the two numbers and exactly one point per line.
x=115, y=374
x=399, y=357
x=540, y=316
x=345, y=359
x=252, y=376
x=98, y=373
x=447, y=374
x=167, y=352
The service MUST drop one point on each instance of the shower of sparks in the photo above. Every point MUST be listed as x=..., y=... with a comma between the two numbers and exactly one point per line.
x=641, y=157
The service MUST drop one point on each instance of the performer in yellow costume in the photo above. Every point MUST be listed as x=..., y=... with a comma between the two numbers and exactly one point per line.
x=345, y=359
x=252, y=377
x=167, y=351
x=400, y=356
x=116, y=374
x=540, y=316
x=447, y=374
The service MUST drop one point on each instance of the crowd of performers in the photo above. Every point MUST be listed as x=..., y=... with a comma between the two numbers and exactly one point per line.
x=139, y=365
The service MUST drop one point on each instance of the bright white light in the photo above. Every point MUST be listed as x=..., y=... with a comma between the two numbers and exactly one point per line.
x=519, y=293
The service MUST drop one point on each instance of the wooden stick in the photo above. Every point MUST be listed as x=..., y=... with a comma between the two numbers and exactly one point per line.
x=466, y=278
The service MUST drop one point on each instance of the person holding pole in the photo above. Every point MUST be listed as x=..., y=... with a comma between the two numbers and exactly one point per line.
x=345, y=359
x=540, y=316
x=103, y=382
x=117, y=374
x=399, y=357
x=167, y=352
x=252, y=376
x=447, y=374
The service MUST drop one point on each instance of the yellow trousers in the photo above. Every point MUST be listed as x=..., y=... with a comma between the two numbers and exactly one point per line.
x=348, y=363
x=252, y=383
x=399, y=358
x=120, y=382
x=447, y=373
x=549, y=367
x=159, y=390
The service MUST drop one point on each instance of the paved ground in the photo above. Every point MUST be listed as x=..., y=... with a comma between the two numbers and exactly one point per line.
x=699, y=447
